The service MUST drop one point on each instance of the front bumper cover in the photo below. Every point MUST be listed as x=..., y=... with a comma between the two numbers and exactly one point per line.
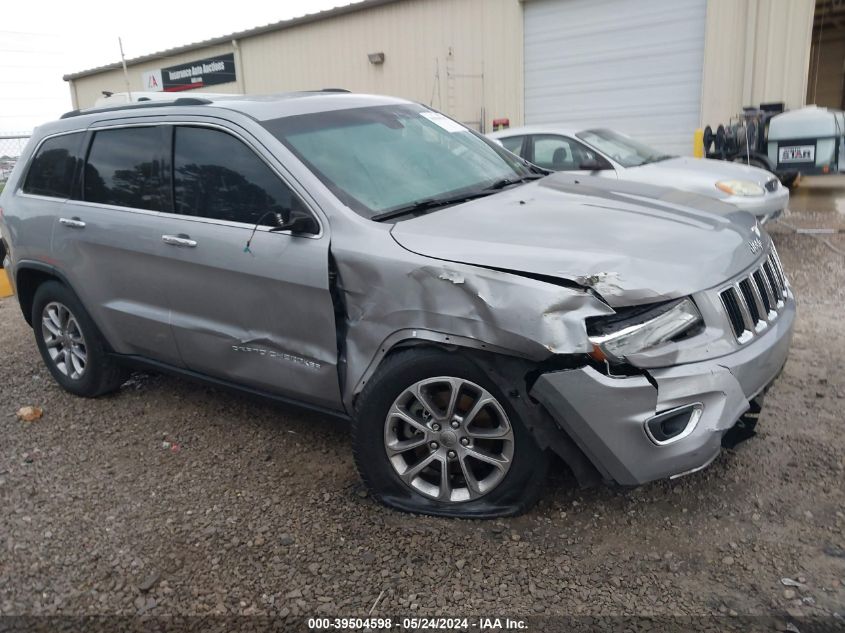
x=606, y=416
x=764, y=208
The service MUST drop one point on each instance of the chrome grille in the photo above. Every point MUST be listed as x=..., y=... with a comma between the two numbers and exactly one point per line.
x=754, y=301
x=772, y=184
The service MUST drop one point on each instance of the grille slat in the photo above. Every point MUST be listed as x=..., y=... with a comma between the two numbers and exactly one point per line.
x=755, y=300
x=779, y=269
x=773, y=280
x=731, y=303
x=778, y=279
x=750, y=303
x=763, y=291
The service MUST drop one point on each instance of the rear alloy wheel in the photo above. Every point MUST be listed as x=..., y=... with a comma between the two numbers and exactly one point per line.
x=434, y=434
x=64, y=340
x=449, y=439
x=71, y=345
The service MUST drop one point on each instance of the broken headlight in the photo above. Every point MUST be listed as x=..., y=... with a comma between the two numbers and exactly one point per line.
x=636, y=329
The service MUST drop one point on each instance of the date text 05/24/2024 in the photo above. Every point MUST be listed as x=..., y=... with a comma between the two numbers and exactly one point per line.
x=417, y=624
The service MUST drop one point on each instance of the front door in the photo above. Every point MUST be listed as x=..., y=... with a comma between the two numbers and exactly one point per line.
x=562, y=153
x=249, y=305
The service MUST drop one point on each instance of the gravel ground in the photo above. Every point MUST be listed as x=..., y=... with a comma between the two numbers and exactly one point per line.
x=174, y=498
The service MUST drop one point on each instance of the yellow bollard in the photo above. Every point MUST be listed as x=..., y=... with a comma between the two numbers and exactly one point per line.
x=5, y=286
x=698, y=143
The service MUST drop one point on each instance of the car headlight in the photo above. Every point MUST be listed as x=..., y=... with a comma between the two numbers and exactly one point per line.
x=616, y=336
x=740, y=188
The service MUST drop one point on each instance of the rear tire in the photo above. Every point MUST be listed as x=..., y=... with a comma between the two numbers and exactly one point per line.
x=71, y=345
x=451, y=416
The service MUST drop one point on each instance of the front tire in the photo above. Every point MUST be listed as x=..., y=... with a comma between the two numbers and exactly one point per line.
x=71, y=345
x=791, y=181
x=433, y=434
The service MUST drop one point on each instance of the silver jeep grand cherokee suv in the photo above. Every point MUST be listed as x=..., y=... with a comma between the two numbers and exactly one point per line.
x=375, y=260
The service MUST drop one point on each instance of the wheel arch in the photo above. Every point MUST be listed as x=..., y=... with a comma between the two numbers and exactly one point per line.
x=29, y=275
x=403, y=339
x=513, y=373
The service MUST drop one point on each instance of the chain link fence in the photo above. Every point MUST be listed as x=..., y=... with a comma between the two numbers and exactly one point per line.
x=11, y=146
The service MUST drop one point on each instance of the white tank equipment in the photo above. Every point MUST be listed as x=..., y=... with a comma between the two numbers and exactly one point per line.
x=810, y=140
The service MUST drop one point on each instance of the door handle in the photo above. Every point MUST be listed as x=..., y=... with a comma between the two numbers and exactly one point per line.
x=74, y=223
x=179, y=240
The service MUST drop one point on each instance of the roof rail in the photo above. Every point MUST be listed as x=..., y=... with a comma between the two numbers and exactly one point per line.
x=334, y=90
x=142, y=105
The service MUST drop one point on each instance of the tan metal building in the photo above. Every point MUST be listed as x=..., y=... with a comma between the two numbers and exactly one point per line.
x=655, y=68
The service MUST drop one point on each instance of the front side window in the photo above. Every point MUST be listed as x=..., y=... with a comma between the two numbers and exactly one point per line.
x=217, y=176
x=53, y=169
x=124, y=168
x=623, y=149
x=513, y=144
x=378, y=159
x=560, y=153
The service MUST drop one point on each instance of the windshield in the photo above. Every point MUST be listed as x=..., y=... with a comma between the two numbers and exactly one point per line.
x=377, y=159
x=623, y=149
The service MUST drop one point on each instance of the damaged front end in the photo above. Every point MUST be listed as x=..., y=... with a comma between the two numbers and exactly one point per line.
x=626, y=395
x=514, y=326
x=666, y=409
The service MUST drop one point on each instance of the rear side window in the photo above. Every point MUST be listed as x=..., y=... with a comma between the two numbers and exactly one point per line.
x=124, y=168
x=217, y=176
x=54, y=166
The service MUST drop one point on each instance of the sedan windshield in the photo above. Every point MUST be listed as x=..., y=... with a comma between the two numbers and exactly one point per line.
x=384, y=159
x=623, y=149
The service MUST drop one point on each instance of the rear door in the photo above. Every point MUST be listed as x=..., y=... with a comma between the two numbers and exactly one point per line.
x=48, y=182
x=108, y=240
x=250, y=305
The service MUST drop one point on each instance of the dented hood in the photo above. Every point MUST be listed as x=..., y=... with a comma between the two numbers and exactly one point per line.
x=632, y=244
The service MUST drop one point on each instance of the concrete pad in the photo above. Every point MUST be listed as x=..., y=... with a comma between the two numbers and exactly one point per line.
x=818, y=203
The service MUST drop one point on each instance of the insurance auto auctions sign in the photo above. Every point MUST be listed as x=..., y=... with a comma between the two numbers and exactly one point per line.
x=211, y=71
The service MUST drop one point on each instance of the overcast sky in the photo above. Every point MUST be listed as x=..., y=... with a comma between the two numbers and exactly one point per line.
x=42, y=40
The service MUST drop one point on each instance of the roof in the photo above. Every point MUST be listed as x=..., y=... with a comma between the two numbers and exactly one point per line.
x=275, y=106
x=258, y=107
x=538, y=129
x=224, y=39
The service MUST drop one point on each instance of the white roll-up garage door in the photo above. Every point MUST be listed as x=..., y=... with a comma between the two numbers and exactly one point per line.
x=631, y=66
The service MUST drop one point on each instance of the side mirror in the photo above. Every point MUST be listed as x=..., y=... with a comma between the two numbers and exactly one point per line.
x=591, y=164
x=296, y=221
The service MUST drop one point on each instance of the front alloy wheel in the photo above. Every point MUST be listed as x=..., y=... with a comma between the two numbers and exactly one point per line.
x=434, y=434
x=449, y=439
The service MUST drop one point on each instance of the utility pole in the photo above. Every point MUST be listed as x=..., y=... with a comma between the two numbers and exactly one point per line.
x=125, y=72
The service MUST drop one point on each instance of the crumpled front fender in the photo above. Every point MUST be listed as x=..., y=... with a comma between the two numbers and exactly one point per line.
x=406, y=297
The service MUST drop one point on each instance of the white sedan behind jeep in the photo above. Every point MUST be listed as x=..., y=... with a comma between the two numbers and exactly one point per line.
x=603, y=152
